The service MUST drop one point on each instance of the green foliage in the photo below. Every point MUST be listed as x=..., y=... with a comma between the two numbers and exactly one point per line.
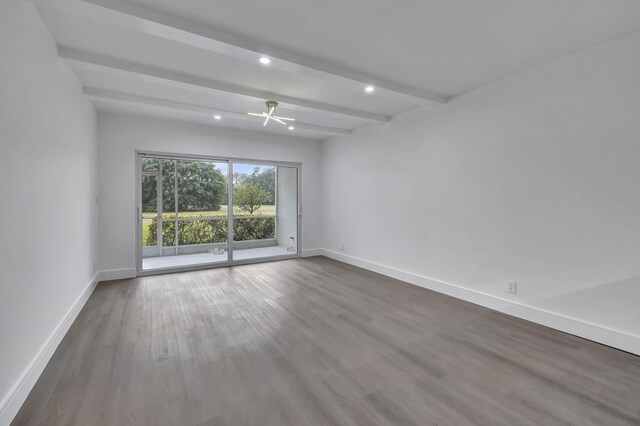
x=265, y=179
x=249, y=197
x=150, y=164
x=254, y=228
x=201, y=186
x=210, y=231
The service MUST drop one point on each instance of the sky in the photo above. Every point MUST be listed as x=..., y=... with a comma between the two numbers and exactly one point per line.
x=240, y=168
x=244, y=168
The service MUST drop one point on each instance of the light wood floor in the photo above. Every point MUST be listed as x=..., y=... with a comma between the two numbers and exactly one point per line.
x=313, y=342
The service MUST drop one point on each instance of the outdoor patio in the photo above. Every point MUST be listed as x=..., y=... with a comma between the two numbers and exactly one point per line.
x=207, y=258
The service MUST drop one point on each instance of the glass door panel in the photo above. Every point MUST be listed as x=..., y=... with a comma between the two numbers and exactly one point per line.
x=149, y=214
x=151, y=208
x=167, y=214
x=184, y=218
x=287, y=209
x=202, y=211
x=259, y=207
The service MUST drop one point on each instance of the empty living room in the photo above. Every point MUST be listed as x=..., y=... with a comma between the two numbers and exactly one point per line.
x=362, y=212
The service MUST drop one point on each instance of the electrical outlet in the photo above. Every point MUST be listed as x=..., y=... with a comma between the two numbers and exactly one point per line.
x=512, y=287
x=342, y=247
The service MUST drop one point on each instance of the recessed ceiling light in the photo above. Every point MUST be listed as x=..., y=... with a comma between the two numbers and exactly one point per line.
x=265, y=60
x=217, y=117
x=369, y=89
x=291, y=128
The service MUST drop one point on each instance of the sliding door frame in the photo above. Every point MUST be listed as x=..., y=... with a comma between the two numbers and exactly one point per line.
x=230, y=161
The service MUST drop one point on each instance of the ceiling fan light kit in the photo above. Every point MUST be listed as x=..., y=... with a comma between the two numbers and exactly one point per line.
x=271, y=114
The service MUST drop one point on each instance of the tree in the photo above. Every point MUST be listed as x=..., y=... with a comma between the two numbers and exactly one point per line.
x=201, y=187
x=249, y=197
x=264, y=177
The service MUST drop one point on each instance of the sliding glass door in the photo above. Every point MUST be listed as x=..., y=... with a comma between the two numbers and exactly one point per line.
x=265, y=210
x=199, y=211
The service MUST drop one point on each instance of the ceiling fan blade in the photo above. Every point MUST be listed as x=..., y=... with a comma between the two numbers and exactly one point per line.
x=271, y=115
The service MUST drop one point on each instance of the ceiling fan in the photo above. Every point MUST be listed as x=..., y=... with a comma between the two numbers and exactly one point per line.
x=271, y=114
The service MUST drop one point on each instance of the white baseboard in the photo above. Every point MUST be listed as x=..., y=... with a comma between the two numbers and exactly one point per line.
x=598, y=333
x=18, y=393
x=116, y=274
x=312, y=252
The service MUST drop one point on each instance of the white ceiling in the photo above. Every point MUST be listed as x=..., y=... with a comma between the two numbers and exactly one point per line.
x=189, y=59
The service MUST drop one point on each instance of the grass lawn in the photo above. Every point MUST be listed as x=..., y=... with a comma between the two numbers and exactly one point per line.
x=222, y=212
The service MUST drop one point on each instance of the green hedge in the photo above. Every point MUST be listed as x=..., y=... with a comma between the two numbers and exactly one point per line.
x=211, y=231
x=254, y=229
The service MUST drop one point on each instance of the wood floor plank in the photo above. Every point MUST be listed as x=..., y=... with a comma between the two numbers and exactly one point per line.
x=318, y=342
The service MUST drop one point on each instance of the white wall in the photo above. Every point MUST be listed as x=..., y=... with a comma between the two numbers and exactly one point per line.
x=535, y=178
x=48, y=187
x=120, y=135
x=287, y=191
